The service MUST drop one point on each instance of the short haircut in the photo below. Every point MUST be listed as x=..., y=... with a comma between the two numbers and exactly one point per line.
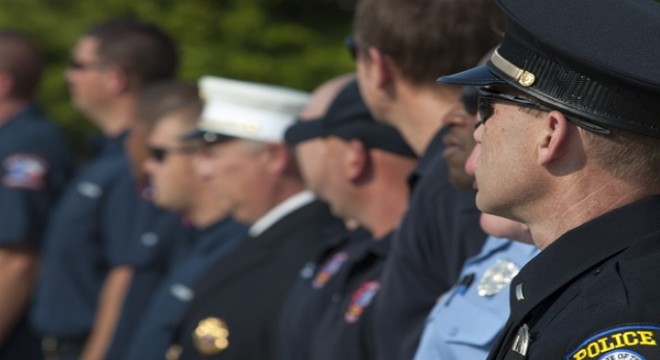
x=632, y=157
x=21, y=58
x=166, y=98
x=141, y=49
x=429, y=38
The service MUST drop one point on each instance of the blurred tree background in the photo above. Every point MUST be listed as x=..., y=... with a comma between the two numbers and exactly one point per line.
x=297, y=43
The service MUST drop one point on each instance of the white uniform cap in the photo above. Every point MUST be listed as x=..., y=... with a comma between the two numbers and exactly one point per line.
x=248, y=110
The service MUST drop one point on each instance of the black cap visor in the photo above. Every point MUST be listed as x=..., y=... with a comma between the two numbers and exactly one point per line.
x=477, y=76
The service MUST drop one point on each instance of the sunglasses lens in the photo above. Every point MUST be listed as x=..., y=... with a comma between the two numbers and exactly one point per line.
x=157, y=154
x=486, y=109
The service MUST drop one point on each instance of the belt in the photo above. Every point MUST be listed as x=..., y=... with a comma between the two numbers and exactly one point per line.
x=53, y=348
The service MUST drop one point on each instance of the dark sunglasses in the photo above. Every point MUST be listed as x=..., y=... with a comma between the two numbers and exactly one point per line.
x=486, y=109
x=160, y=153
x=351, y=46
x=77, y=65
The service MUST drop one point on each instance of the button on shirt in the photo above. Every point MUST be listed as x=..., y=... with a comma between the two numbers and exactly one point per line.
x=466, y=320
x=591, y=294
x=438, y=233
x=85, y=238
x=169, y=304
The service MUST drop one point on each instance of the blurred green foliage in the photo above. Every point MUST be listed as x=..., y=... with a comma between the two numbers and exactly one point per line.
x=296, y=43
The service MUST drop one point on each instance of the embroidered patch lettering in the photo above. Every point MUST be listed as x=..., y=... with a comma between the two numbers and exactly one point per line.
x=633, y=342
x=25, y=171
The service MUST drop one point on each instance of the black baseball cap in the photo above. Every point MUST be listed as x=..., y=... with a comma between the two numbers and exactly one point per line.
x=349, y=118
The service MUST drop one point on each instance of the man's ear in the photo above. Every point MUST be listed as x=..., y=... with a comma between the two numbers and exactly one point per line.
x=117, y=80
x=357, y=162
x=277, y=157
x=383, y=69
x=555, y=138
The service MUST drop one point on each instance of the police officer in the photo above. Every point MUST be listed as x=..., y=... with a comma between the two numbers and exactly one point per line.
x=398, y=59
x=467, y=319
x=382, y=161
x=235, y=311
x=572, y=119
x=86, y=267
x=35, y=165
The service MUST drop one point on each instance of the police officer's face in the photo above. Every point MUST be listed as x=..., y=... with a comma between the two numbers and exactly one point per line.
x=503, y=161
x=170, y=166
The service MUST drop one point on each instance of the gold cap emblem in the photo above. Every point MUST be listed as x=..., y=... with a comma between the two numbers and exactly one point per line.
x=211, y=336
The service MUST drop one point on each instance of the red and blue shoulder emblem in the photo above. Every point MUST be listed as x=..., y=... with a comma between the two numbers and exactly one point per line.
x=361, y=300
x=24, y=171
x=629, y=342
x=329, y=269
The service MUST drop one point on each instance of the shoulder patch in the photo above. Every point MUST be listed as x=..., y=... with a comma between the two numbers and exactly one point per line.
x=360, y=300
x=329, y=269
x=629, y=342
x=25, y=171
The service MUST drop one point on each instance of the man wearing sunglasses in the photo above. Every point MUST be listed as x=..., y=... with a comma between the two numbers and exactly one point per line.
x=235, y=311
x=167, y=111
x=87, y=263
x=569, y=145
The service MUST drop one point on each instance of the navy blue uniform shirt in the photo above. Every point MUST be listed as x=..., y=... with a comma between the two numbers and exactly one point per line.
x=312, y=292
x=157, y=236
x=344, y=331
x=35, y=165
x=438, y=233
x=159, y=321
x=591, y=294
x=86, y=238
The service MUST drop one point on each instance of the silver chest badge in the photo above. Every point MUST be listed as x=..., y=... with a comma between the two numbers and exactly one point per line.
x=497, y=277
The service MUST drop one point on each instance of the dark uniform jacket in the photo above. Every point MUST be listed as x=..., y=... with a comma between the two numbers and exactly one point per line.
x=235, y=312
x=592, y=294
x=438, y=233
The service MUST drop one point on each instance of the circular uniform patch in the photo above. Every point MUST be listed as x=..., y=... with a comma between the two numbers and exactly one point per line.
x=628, y=342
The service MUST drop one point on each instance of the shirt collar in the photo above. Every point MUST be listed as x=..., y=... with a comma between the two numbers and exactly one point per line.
x=281, y=210
x=580, y=250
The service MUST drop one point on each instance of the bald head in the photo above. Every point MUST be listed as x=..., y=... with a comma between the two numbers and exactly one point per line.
x=323, y=96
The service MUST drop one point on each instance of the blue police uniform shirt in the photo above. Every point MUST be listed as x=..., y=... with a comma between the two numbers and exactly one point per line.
x=35, y=165
x=168, y=306
x=310, y=295
x=438, y=233
x=466, y=320
x=86, y=237
x=157, y=236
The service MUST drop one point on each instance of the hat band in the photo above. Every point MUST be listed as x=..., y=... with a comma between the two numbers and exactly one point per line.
x=595, y=98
